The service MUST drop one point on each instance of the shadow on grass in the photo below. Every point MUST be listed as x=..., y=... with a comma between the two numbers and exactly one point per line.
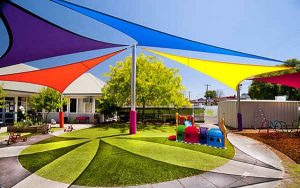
x=140, y=126
x=224, y=153
x=35, y=161
x=113, y=166
x=56, y=139
x=115, y=135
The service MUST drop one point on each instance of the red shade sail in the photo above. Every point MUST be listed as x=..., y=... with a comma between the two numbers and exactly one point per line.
x=58, y=78
x=292, y=80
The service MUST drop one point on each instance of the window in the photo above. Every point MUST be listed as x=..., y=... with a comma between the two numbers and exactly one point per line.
x=219, y=140
x=88, y=107
x=73, y=105
x=65, y=108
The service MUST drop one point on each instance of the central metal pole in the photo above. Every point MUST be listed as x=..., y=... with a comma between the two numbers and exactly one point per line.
x=133, y=118
x=239, y=114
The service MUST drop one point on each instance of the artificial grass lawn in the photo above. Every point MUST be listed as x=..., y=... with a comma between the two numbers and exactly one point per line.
x=3, y=136
x=294, y=170
x=226, y=153
x=169, y=154
x=56, y=139
x=121, y=159
x=50, y=146
x=69, y=167
x=113, y=166
x=95, y=132
x=42, y=158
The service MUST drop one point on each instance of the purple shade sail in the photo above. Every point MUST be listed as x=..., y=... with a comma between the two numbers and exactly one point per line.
x=33, y=38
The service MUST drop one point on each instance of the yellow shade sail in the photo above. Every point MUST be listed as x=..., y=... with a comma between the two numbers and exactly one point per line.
x=230, y=74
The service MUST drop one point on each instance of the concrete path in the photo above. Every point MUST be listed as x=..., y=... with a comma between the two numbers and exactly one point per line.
x=14, y=174
x=254, y=165
x=11, y=172
x=37, y=181
x=255, y=149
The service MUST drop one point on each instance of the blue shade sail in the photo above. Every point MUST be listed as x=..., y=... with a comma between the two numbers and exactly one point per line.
x=149, y=37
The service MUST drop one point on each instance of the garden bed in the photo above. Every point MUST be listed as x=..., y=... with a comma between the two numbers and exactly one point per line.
x=28, y=129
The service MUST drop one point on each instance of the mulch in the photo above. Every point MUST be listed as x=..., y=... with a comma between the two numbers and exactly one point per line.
x=287, y=143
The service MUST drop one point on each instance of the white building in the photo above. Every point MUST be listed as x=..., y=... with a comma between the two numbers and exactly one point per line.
x=82, y=94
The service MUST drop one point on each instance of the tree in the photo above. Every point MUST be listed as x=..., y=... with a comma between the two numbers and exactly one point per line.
x=210, y=94
x=259, y=90
x=155, y=84
x=2, y=97
x=47, y=99
x=219, y=93
x=107, y=107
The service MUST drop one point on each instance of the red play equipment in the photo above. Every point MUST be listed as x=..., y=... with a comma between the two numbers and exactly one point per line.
x=183, y=118
x=191, y=134
x=172, y=137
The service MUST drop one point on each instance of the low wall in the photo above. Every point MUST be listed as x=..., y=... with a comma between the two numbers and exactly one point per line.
x=254, y=111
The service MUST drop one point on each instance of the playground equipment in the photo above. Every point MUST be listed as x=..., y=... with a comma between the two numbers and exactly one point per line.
x=180, y=132
x=203, y=135
x=187, y=131
x=69, y=129
x=191, y=134
x=172, y=137
x=14, y=137
x=215, y=138
x=223, y=129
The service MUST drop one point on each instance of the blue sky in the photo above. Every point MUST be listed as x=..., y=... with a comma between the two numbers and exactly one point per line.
x=267, y=28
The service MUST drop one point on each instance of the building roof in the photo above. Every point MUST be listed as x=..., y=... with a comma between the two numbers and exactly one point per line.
x=87, y=84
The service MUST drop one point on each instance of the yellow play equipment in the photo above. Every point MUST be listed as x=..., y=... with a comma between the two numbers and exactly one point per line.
x=223, y=129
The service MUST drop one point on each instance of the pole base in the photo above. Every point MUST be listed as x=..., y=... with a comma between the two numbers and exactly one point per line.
x=132, y=126
x=61, y=119
x=240, y=122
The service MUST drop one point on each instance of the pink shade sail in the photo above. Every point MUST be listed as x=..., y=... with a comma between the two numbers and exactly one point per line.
x=292, y=80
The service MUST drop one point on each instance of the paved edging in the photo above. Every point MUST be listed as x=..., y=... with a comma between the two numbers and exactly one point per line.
x=19, y=176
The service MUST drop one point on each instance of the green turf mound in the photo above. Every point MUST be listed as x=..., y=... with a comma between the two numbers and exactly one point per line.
x=113, y=166
x=107, y=156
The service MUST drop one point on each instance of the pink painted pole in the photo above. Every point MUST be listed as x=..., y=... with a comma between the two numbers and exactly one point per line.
x=133, y=118
x=132, y=122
